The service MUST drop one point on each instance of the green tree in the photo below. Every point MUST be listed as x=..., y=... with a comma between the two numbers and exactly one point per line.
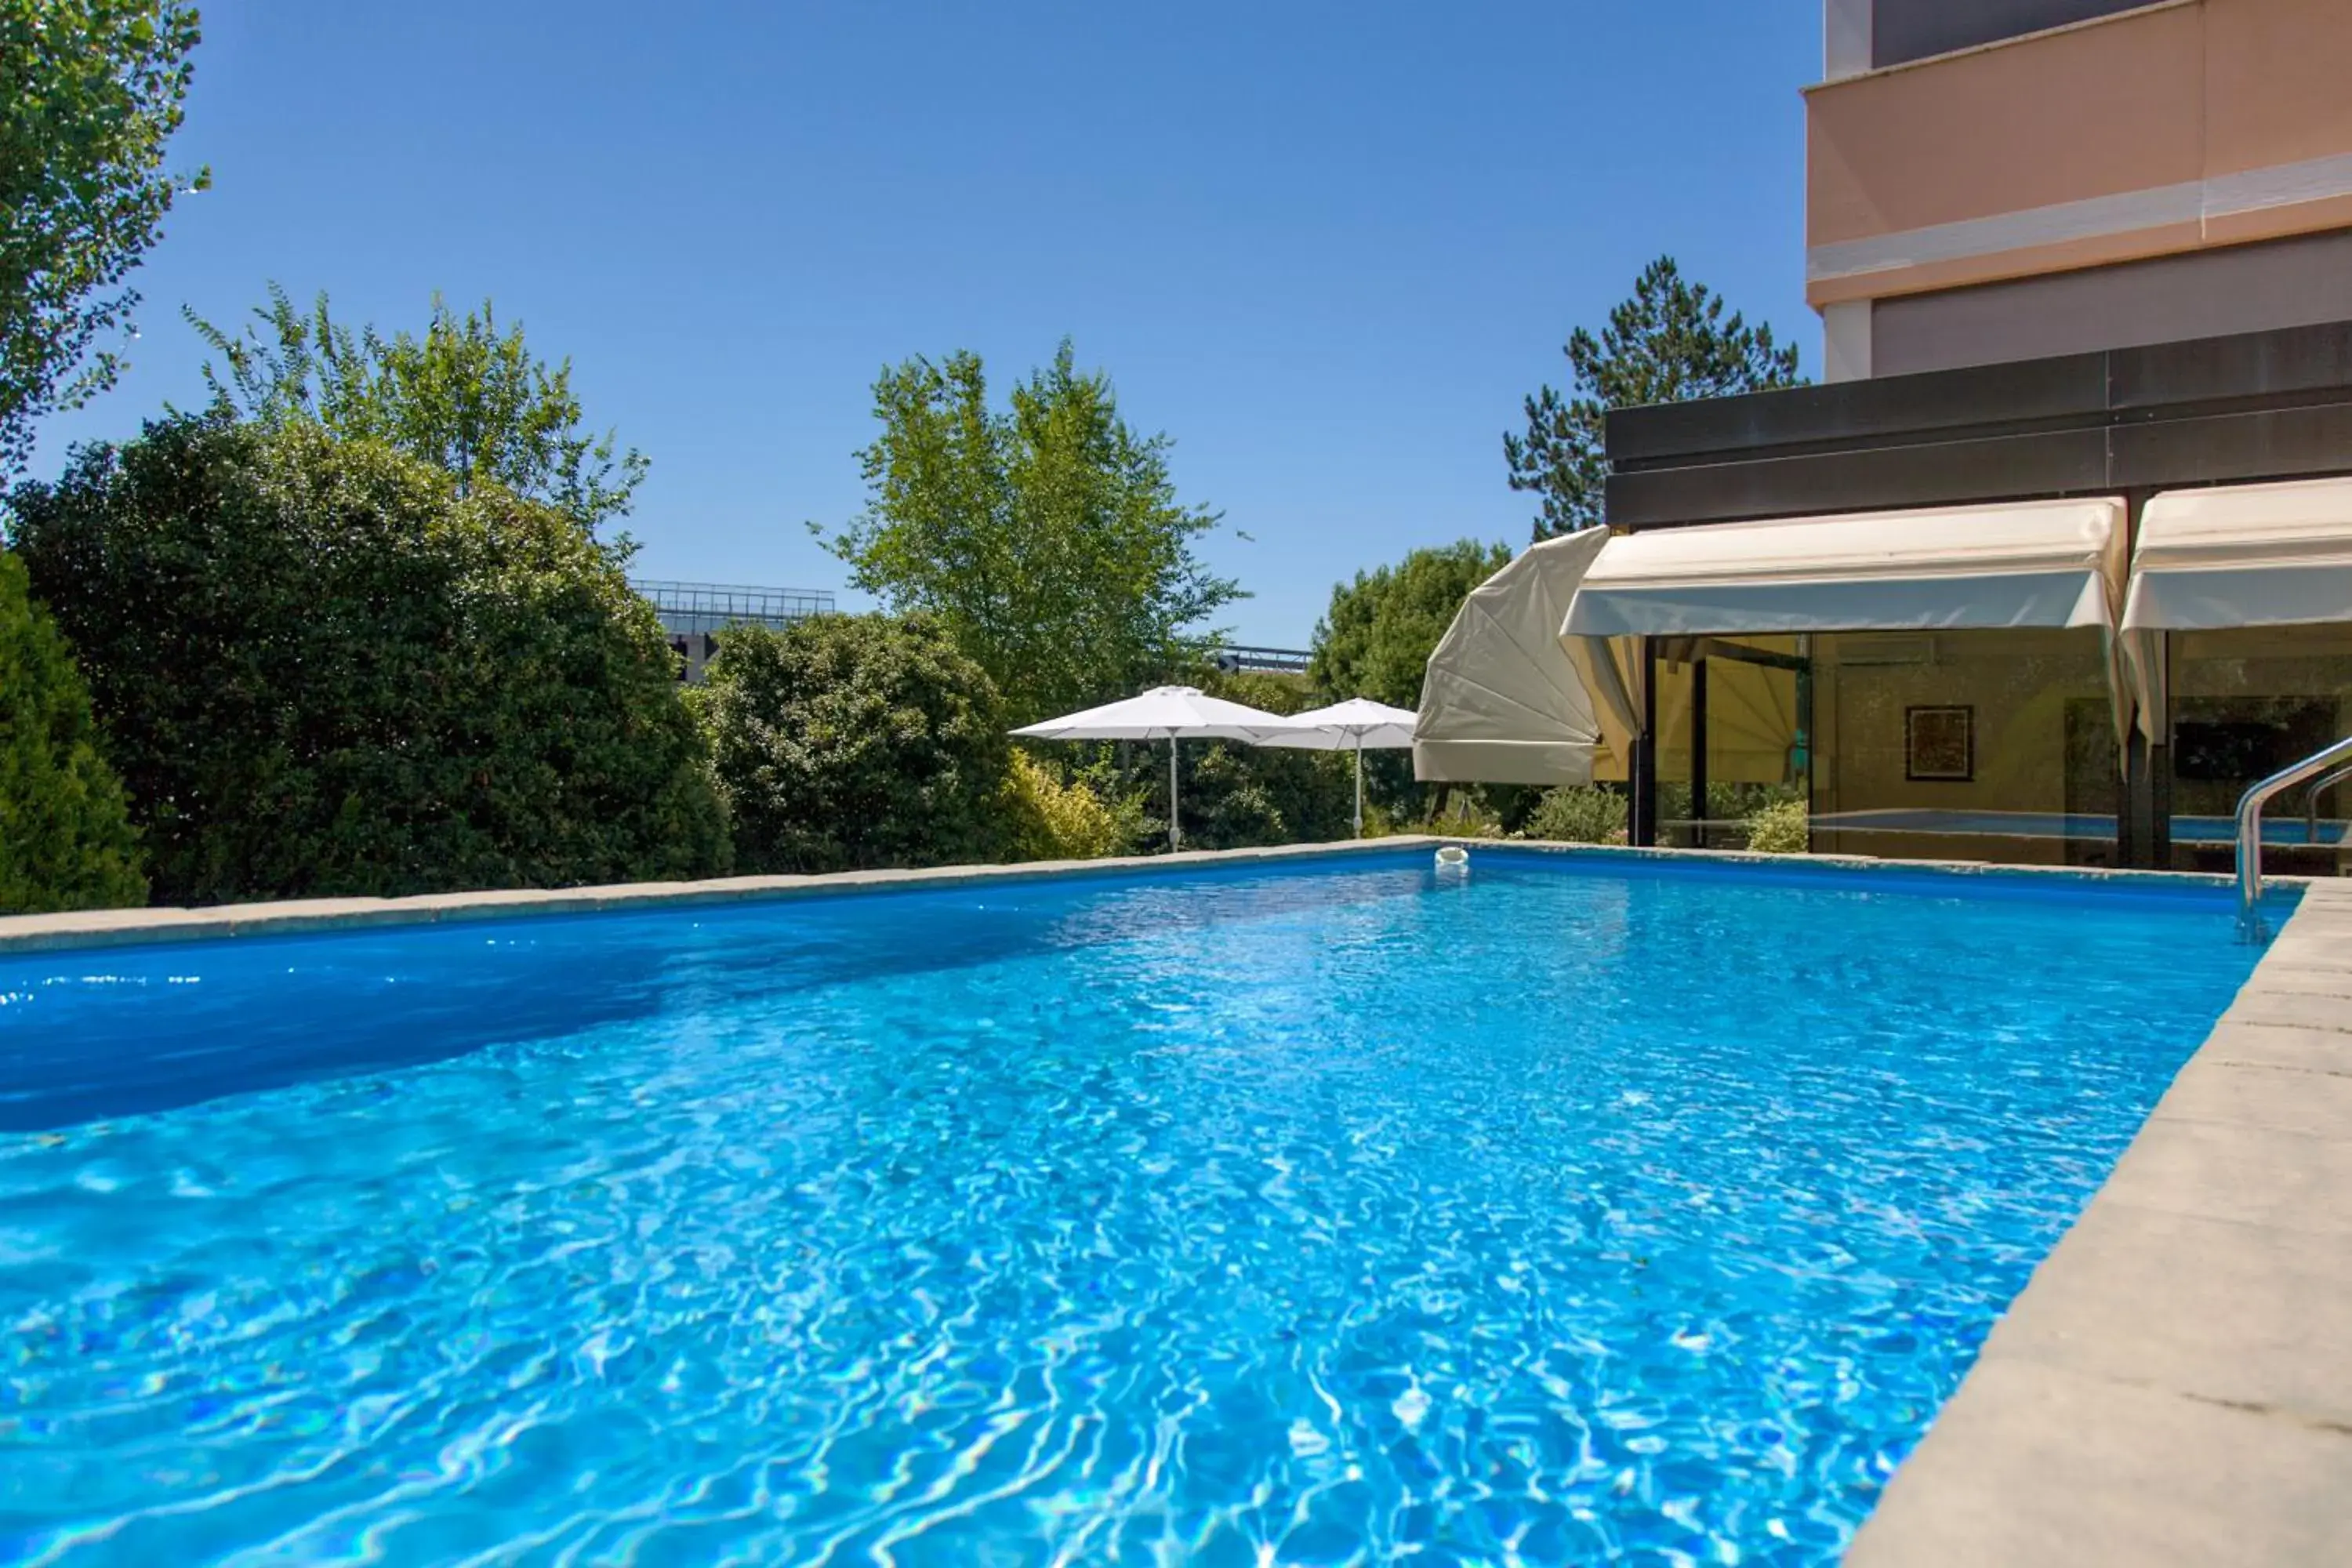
x=1671, y=340
x=465, y=397
x=1375, y=641
x=90, y=92
x=1047, y=538
x=1377, y=636
x=323, y=673
x=66, y=841
x=843, y=742
x=1237, y=795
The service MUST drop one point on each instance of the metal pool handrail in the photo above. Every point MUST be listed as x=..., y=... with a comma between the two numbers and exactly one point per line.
x=2250, y=827
x=2320, y=787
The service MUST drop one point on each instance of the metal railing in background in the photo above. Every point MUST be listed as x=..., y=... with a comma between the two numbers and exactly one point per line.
x=2249, y=829
x=688, y=607
x=2320, y=787
x=1235, y=660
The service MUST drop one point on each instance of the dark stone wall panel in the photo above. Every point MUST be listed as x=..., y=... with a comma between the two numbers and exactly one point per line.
x=1941, y=473
x=1903, y=30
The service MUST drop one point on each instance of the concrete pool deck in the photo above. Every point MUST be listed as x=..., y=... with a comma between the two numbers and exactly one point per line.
x=2173, y=1386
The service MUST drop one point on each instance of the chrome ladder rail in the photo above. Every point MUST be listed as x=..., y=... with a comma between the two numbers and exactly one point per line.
x=2320, y=787
x=2249, y=829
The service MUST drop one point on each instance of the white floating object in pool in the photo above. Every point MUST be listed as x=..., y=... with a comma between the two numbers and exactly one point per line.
x=1453, y=856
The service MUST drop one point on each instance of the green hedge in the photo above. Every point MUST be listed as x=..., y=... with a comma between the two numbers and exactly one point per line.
x=846, y=743
x=323, y=673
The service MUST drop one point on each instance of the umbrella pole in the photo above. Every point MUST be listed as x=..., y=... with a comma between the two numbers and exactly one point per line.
x=1175, y=827
x=1360, y=786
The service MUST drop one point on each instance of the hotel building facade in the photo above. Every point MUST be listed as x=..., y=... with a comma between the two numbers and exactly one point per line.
x=2057, y=558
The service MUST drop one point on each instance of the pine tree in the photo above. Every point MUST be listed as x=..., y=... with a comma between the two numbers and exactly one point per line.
x=66, y=841
x=1671, y=340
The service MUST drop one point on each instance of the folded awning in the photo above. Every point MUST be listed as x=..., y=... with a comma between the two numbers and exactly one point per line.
x=2021, y=563
x=2236, y=555
x=2028, y=563
x=1500, y=701
x=2243, y=555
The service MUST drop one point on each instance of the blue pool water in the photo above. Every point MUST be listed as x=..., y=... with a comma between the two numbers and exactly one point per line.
x=1236, y=1217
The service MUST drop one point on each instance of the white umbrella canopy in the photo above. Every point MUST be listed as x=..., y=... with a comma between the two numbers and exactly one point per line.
x=1346, y=726
x=1170, y=714
x=1350, y=726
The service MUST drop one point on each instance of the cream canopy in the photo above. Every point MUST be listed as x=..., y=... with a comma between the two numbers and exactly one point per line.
x=2026, y=563
x=2243, y=555
x=2237, y=555
x=1501, y=702
x=1540, y=671
x=2030, y=563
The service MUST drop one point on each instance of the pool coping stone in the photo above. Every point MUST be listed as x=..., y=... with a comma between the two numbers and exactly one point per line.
x=153, y=925
x=2174, y=1384
x=122, y=928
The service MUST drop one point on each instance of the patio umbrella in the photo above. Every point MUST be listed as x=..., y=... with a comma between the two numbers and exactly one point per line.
x=1170, y=714
x=1349, y=726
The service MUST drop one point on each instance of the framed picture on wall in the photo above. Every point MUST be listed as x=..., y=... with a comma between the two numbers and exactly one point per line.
x=1939, y=744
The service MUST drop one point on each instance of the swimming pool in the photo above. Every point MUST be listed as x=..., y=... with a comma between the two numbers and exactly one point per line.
x=1225, y=1216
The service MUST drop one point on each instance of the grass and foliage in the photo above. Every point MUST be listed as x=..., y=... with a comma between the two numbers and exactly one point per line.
x=470, y=399
x=1085, y=815
x=1782, y=827
x=1578, y=814
x=1045, y=537
x=66, y=838
x=1239, y=796
x=321, y=670
x=1375, y=639
x=91, y=92
x=853, y=741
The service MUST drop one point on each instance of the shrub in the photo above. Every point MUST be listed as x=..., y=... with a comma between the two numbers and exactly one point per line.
x=66, y=841
x=1238, y=796
x=322, y=672
x=1578, y=814
x=1048, y=819
x=1781, y=828
x=850, y=741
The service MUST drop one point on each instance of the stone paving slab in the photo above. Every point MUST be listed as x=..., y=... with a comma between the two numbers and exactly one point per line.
x=2174, y=1386
x=2278, y=1046
x=2287, y=1307
x=2033, y=1463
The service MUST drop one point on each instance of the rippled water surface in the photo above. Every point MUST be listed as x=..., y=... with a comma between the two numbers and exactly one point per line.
x=1305, y=1216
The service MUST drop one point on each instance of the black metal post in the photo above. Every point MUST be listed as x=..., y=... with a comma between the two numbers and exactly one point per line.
x=1805, y=748
x=1642, y=829
x=2159, y=766
x=2135, y=825
x=1698, y=754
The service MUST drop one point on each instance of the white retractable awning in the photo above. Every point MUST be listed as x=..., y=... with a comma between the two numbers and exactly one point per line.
x=2236, y=555
x=2243, y=555
x=1500, y=701
x=2028, y=563
x=2021, y=563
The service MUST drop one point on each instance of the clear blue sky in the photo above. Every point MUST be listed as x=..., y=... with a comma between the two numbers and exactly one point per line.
x=1325, y=248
